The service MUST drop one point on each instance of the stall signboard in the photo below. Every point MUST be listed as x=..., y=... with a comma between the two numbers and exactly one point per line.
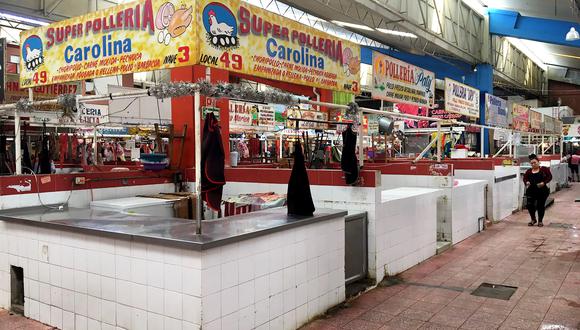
x=520, y=117
x=496, y=113
x=372, y=127
x=292, y=112
x=535, y=120
x=93, y=113
x=461, y=99
x=139, y=36
x=239, y=37
x=14, y=93
x=243, y=113
x=266, y=115
x=401, y=82
x=448, y=117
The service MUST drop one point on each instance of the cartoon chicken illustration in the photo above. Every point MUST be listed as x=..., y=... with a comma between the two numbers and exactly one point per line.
x=221, y=32
x=33, y=57
x=172, y=23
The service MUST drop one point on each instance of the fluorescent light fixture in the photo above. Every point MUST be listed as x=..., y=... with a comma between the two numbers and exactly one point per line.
x=23, y=19
x=352, y=25
x=568, y=56
x=397, y=33
x=572, y=35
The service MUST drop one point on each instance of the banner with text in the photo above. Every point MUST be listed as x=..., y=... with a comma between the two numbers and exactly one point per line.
x=139, y=36
x=520, y=117
x=239, y=37
x=462, y=99
x=398, y=81
x=549, y=124
x=14, y=93
x=496, y=113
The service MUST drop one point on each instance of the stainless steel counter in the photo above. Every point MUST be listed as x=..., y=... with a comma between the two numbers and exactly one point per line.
x=167, y=231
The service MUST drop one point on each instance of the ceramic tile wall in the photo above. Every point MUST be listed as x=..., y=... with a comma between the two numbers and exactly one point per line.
x=80, y=198
x=487, y=176
x=467, y=209
x=75, y=281
x=405, y=230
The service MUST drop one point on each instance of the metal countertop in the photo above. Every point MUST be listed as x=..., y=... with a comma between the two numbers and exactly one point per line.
x=167, y=231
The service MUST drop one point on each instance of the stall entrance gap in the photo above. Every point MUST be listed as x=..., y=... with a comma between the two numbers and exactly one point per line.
x=17, y=290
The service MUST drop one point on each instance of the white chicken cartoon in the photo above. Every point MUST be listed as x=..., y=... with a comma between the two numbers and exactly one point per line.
x=221, y=33
x=33, y=58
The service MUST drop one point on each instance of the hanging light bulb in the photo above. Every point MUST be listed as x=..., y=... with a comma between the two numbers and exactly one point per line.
x=572, y=35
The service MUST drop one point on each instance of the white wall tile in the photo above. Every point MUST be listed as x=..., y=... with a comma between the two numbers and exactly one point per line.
x=94, y=308
x=81, y=322
x=246, y=294
x=171, y=323
x=56, y=317
x=55, y=275
x=155, y=300
x=108, y=311
x=191, y=281
x=123, y=294
x=56, y=296
x=124, y=316
x=229, y=300
x=211, y=279
x=191, y=309
x=94, y=285
x=94, y=325
x=68, y=300
x=138, y=319
x=139, y=271
x=138, y=296
x=211, y=306
x=246, y=318
x=107, y=262
x=109, y=288
x=155, y=274
x=44, y=293
x=262, y=312
x=123, y=268
x=80, y=281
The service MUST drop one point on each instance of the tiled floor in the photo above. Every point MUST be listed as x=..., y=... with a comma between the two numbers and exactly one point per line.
x=544, y=263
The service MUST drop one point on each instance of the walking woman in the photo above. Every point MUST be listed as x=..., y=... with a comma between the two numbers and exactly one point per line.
x=536, y=180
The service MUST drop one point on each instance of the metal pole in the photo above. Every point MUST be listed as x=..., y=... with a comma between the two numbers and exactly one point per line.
x=361, y=160
x=439, y=139
x=197, y=128
x=510, y=146
x=482, y=147
x=17, y=146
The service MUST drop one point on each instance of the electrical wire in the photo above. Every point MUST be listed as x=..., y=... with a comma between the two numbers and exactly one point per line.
x=59, y=207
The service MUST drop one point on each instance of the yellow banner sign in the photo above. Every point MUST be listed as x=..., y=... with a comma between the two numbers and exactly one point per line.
x=139, y=36
x=243, y=38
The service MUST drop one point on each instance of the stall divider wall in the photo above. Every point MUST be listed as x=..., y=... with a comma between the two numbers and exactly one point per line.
x=461, y=204
x=388, y=254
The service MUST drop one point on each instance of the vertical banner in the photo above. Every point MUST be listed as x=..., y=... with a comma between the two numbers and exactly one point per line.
x=143, y=35
x=239, y=37
x=401, y=82
x=461, y=99
x=520, y=117
x=496, y=113
x=535, y=121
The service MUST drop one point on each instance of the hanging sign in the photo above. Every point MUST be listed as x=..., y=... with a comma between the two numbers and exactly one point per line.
x=462, y=99
x=520, y=117
x=448, y=117
x=571, y=130
x=292, y=112
x=398, y=81
x=93, y=113
x=496, y=113
x=549, y=124
x=266, y=115
x=243, y=113
x=535, y=120
x=214, y=110
x=239, y=37
x=139, y=36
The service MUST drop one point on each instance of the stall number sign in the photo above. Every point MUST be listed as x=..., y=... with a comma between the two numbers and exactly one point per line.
x=214, y=110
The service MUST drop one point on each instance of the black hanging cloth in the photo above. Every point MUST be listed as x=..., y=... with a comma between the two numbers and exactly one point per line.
x=348, y=161
x=212, y=163
x=299, y=195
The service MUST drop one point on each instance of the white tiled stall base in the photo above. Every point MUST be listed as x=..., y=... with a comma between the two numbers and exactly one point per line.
x=405, y=231
x=76, y=281
x=81, y=198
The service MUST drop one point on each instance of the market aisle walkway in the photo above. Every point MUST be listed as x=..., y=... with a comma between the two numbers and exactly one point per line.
x=544, y=263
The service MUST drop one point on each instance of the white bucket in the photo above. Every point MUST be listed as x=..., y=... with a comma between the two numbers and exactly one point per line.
x=234, y=158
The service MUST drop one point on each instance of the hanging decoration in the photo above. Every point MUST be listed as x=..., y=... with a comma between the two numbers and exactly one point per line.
x=69, y=105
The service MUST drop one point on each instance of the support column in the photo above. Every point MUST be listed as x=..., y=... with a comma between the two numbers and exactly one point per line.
x=484, y=82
